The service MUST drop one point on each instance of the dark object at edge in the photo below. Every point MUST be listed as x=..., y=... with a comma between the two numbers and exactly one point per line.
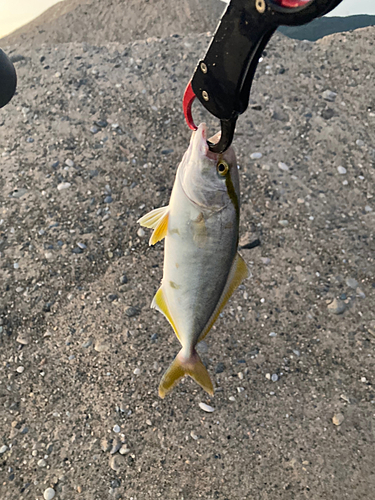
x=252, y=244
x=8, y=79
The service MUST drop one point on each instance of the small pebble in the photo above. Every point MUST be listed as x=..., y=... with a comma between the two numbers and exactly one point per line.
x=101, y=346
x=131, y=311
x=232, y=398
x=352, y=283
x=94, y=130
x=63, y=185
x=115, y=462
x=268, y=376
x=137, y=371
x=141, y=232
x=206, y=408
x=265, y=260
x=273, y=334
x=20, y=369
x=116, y=428
x=283, y=223
x=368, y=208
x=69, y=163
x=22, y=339
x=123, y=279
x=274, y=377
x=124, y=450
x=49, y=494
x=106, y=444
x=115, y=446
x=283, y=166
x=202, y=347
x=336, y=306
x=3, y=449
x=108, y=199
x=360, y=293
x=338, y=418
x=329, y=96
x=42, y=463
x=341, y=170
x=193, y=435
x=111, y=297
x=256, y=156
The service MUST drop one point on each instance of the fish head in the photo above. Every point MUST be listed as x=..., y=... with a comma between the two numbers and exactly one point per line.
x=209, y=179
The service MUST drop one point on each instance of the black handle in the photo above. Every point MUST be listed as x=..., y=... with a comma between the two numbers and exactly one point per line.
x=223, y=79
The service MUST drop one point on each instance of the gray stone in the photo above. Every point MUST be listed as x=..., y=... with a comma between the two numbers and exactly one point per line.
x=63, y=185
x=283, y=166
x=132, y=311
x=329, y=96
x=49, y=494
x=116, y=445
x=115, y=462
x=336, y=306
x=69, y=163
x=352, y=283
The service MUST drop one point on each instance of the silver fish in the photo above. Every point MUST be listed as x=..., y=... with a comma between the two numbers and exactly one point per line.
x=201, y=265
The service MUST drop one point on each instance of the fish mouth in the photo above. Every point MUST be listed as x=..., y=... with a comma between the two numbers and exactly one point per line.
x=198, y=140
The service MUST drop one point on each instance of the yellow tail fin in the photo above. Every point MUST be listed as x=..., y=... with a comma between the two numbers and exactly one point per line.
x=181, y=367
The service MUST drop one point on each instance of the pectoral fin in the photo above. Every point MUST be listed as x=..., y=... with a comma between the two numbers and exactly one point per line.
x=158, y=221
x=236, y=275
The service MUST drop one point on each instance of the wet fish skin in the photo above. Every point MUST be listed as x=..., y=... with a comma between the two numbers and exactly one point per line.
x=201, y=265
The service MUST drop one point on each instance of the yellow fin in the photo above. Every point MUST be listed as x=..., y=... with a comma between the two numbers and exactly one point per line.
x=236, y=275
x=158, y=221
x=193, y=367
x=159, y=303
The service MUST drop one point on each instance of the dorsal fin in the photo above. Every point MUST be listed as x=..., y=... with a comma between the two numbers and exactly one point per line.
x=158, y=221
x=159, y=303
x=236, y=275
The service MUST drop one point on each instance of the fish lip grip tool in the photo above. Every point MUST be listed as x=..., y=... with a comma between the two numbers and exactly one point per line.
x=222, y=79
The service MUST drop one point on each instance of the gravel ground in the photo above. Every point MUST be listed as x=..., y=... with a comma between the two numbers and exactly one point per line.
x=90, y=143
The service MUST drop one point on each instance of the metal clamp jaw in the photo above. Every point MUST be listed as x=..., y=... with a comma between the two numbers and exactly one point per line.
x=222, y=80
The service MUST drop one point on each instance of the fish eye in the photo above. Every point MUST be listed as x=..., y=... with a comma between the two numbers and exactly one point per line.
x=222, y=168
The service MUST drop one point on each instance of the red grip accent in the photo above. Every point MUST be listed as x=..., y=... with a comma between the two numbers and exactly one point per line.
x=187, y=102
x=291, y=4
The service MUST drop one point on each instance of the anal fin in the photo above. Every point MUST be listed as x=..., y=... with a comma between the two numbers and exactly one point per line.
x=158, y=221
x=237, y=274
x=159, y=303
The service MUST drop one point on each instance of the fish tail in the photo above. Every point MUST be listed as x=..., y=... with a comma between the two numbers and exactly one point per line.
x=181, y=367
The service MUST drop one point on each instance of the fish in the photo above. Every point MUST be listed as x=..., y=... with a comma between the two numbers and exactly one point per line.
x=202, y=267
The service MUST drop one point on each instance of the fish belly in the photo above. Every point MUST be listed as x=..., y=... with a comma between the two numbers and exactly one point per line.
x=200, y=247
